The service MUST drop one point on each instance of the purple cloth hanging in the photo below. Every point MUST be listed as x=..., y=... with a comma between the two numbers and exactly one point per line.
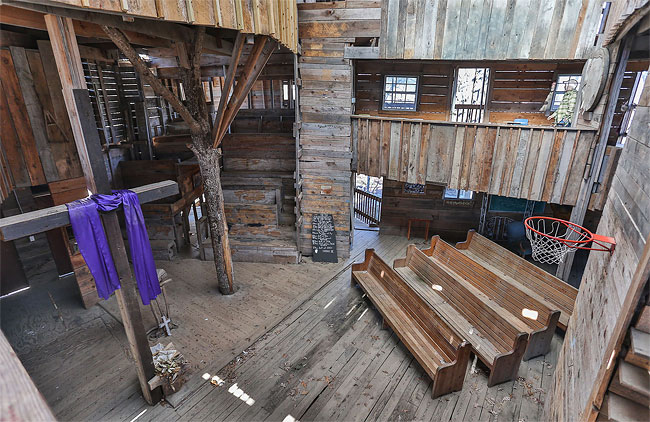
x=93, y=245
x=88, y=230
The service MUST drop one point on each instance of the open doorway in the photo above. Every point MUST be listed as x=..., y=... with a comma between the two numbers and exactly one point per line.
x=367, y=201
x=470, y=96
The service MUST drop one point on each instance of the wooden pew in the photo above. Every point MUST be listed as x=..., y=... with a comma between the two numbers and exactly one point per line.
x=441, y=352
x=497, y=338
x=526, y=276
x=539, y=319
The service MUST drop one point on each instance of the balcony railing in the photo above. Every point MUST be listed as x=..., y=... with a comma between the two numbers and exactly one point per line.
x=367, y=207
x=540, y=163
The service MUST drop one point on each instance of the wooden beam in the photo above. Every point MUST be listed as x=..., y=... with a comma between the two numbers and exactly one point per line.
x=39, y=221
x=77, y=100
x=259, y=56
x=230, y=79
x=352, y=52
x=35, y=20
x=20, y=400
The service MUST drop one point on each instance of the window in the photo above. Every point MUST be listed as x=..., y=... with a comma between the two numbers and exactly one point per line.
x=471, y=94
x=400, y=93
x=630, y=108
x=458, y=194
x=560, y=89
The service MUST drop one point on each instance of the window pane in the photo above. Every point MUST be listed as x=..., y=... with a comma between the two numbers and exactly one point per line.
x=395, y=93
x=451, y=193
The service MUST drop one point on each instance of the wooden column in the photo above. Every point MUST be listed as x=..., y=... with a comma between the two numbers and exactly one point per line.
x=20, y=400
x=580, y=209
x=77, y=101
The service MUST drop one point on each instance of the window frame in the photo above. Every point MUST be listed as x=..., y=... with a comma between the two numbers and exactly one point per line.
x=457, y=197
x=417, y=93
x=552, y=106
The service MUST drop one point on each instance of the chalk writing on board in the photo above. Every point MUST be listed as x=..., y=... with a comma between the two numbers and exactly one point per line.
x=414, y=188
x=323, y=238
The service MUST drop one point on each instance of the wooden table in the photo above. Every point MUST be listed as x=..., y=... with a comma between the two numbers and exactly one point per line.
x=426, y=230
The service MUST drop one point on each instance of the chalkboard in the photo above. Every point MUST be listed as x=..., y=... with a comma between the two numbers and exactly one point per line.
x=323, y=238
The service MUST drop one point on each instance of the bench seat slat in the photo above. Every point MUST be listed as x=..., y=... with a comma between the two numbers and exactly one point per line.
x=495, y=338
x=533, y=281
x=412, y=330
x=436, y=346
x=470, y=332
x=531, y=315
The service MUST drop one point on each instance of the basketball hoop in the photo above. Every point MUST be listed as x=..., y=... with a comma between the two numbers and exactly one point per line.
x=552, y=239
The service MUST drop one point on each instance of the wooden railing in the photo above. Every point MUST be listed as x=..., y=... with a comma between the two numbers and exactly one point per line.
x=367, y=207
x=540, y=163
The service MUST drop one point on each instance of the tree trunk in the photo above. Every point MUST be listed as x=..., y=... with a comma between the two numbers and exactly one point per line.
x=208, y=159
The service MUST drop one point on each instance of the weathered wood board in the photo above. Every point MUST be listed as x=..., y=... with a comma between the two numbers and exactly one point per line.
x=531, y=162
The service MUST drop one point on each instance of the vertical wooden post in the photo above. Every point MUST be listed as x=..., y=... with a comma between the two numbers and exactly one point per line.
x=77, y=101
x=580, y=209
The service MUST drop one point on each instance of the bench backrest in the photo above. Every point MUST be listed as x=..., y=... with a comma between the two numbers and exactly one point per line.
x=519, y=269
x=526, y=308
x=435, y=327
x=491, y=325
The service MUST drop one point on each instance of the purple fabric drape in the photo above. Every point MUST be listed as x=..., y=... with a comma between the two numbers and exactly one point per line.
x=93, y=245
x=88, y=229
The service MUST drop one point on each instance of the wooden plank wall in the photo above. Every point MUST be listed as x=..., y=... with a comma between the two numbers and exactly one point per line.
x=482, y=30
x=516, y=90
x=325, y=101
x=449, y=219
x=538, y=163
x=277, y=18
x=435, y=87
x=607, y=279
x=36, y=135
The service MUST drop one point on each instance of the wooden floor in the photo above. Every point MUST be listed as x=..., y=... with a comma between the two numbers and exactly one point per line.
x=304, y=343
x=330, y=360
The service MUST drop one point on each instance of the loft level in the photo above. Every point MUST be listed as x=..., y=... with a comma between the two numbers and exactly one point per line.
x=532, y=162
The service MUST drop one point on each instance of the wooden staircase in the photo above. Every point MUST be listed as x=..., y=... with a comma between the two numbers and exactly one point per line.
x=628, y=396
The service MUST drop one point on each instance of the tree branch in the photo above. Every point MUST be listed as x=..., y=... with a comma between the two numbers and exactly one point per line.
x=120, y=40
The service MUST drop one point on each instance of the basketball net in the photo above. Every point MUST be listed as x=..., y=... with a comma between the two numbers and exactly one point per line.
x=552, y=240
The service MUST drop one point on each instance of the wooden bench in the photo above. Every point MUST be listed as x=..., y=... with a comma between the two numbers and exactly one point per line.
x=526, y=276
x=540, y=321
x=441, y=352
x=497, y=338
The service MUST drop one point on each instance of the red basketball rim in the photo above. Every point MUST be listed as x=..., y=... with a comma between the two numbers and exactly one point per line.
x=571, y=226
